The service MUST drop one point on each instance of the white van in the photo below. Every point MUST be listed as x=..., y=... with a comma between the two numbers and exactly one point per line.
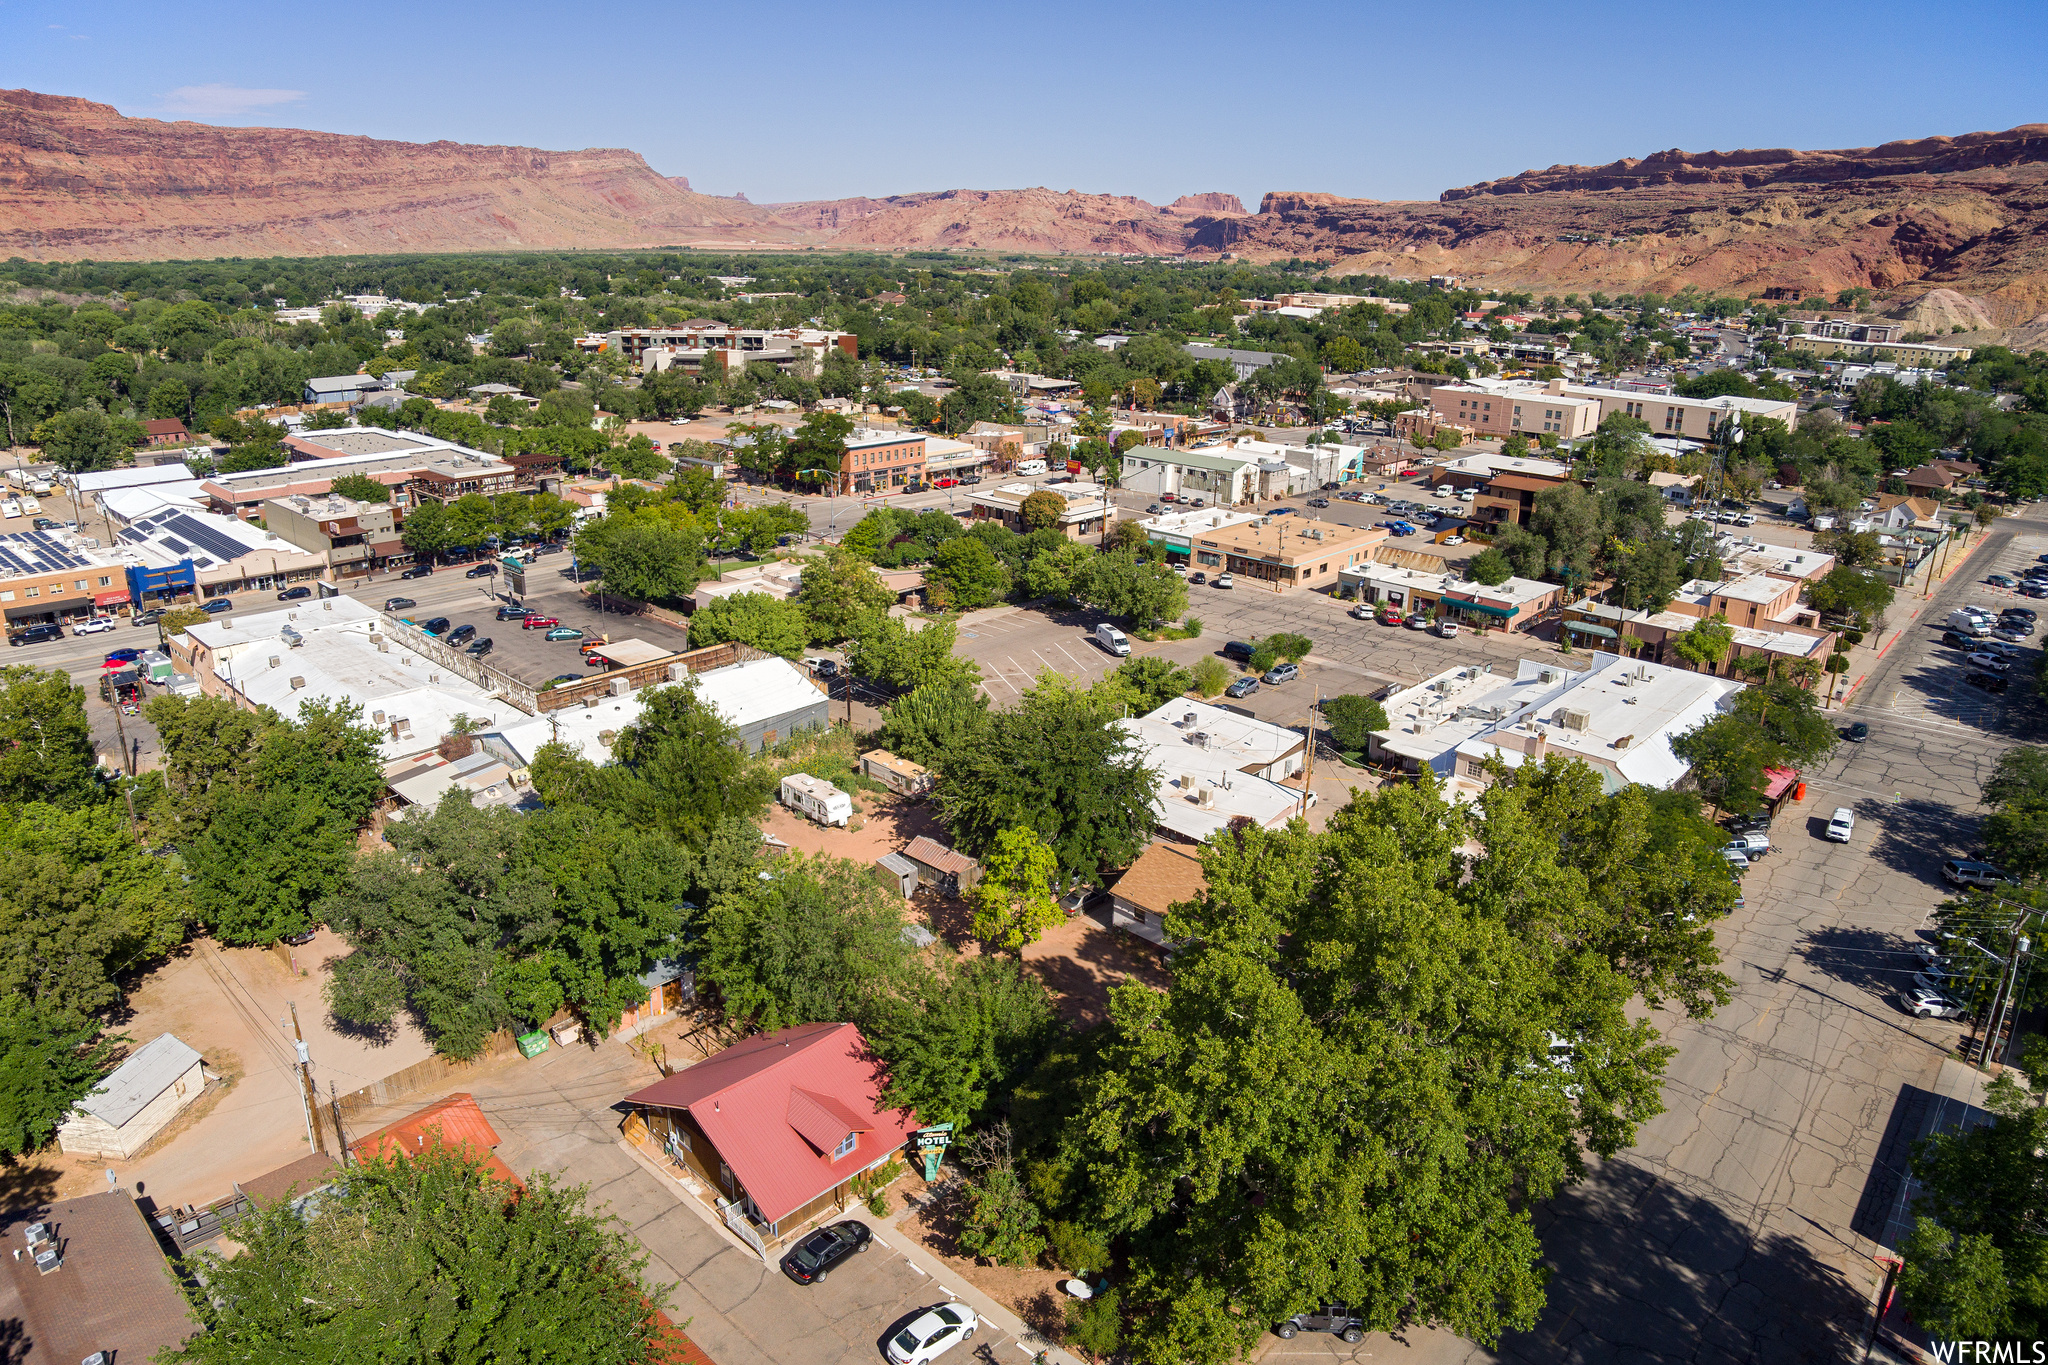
x=1113, y=640
x=1031, y=466
x=1447, y=628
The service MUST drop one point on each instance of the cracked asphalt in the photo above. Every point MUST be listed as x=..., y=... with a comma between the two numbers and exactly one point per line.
x=1743, y=1224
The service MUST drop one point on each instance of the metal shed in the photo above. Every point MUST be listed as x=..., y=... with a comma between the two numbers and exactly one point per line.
x=898, y=872
x=951, y=871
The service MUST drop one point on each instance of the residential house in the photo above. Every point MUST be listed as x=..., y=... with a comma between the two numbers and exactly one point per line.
x=455, y=1123
x=87, y=1281
x=138, y=1100
x=165, y=431
x=777, y=1127
x=1164, y=875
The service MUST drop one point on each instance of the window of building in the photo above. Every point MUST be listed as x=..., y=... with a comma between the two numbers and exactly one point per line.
x=35, y=592
x=81, y=584
x=6, y=597
x=846, y=1146
x=105, y=581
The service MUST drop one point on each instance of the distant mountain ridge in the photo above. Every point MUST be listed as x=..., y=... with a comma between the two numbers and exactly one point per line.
x=1966, y=213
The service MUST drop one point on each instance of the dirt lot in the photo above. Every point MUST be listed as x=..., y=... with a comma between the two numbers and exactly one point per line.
x=1031, y=1292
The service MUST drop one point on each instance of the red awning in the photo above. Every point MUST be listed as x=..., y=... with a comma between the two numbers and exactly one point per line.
x=1781, y=780
x=110, y=599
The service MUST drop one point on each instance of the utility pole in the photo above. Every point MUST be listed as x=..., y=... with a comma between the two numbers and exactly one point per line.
x=2001, y=1000
x=307, y=1092
x=1309, y=773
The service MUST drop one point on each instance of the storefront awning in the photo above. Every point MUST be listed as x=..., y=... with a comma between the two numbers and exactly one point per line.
x=110, y=599
x=1588, y=628
x=1485, y=607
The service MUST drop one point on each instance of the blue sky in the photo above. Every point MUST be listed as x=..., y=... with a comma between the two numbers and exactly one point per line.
x=799, y=99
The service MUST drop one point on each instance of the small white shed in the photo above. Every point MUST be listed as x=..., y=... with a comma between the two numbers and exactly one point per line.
x=131, y=1106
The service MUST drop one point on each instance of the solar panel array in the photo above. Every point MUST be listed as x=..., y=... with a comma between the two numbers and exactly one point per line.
x=38, y=552
x=216, y=543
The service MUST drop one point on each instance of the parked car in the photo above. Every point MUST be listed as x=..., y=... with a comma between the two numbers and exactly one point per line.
x=1447, y=629
x=482, y=647
x=1841, y=824
x=418, y=571
x=1282, y=512
x=45, y=524
x=437, y=625
x=1955, y=641
x=1242, y=687
x=514, y=613
x=931, y=1334
x=1454, y=540
x=1923, y=1003
x=1750, y=846
x=482, y=571
x=1224, y=580
x=1391, y=616
x=295, y=594
x=2011, y=632
x=147, y=618
x=1737, y=860
x=1335, y=1318
x=2027, y=612
x=1964, y=872
x=1990, y=682
x=823, y=667
x=1156, y=509
x=1990, y=663
x=1280, y=673
x=2004, y=649
x=563, y=633
x=399, y=604
x=1856, y=733
x=460, y=634
x=218, y=605
x=93, y=625
x=566, y=678
x=539, y=623
x=1318, y=502
x=1198, y=577
x=2002, y=580
x=1238, y=650
x=809, y=1260
x=36, y=635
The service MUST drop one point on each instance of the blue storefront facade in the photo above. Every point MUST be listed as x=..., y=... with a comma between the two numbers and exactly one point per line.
x=149, y=587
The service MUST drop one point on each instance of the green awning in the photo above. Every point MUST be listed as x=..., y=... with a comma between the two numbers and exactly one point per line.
x=1589, y=628
x=1462, y=605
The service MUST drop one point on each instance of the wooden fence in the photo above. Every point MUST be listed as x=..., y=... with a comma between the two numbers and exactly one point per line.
x=435, y=1073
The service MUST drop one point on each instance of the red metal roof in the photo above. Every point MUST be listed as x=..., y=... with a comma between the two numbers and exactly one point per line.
x=1779, y=782
x=747, y=1099
x=456, y=1122
x=932, y=853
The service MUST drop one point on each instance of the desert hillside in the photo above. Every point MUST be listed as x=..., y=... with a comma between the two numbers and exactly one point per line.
x=1968, y=213
x=1033, y=220
x=77, y=179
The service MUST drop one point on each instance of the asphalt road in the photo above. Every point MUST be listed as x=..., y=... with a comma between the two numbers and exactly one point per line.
x=1742, y=1225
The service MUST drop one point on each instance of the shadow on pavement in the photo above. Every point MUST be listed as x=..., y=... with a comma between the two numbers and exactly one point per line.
x=1870, y=960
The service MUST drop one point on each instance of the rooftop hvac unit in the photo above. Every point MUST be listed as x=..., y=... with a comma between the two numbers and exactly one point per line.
x=1441, y=686
x=376, y=718
x=383, y=645
x=401, y=727
x=1573, y=719
x=1207, y=799
x=298, y=683
x=1547, y=676
x=275, y=661
x=433, y=677
x=620, y=687
x=1187, y=781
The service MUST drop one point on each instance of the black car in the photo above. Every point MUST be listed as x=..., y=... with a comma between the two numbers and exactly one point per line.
x=1243, y=687
x=45, y=524
x=1758, y=822
x=482, y=647
x=1990, y=682
x=482, y=571
x=36, y=635
x=461, y=633
x=417, y=571
x=1857, y=733
x=1238, y=650
x=1330, y=1317
x=515, y=613
x=294, y=594
x=436, y=626
x=217, y=606
x=809, y=1259
x=399, y=604
x=2027, y=612
x=1198, y=577
x=1331, y=487
x=1955, y=641
x=566, y=678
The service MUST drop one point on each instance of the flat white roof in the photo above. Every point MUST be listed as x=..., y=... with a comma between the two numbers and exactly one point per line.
x=760, y=689
x=101, y=480
x=1209, y=754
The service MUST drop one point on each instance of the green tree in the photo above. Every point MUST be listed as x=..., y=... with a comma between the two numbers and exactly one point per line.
x=1095, y=1325
x=50, y=1058
x=965, y=574
x=931, y=723
x=1568, y=519
x=1853, y=593
x=428, y=1257
x=840, y=588
x=1057, y=764
x=1001, y=1222
x=361, y=487
x=1706, y=642
x=1147, y=683
x=638, y=459
x=1211, y=675
x=1059, y=572
x=643, y=555
x=883, y=649
x=1353, y=720
x=752, y=618
x=83, y=440
x=1490, y=567
x=1013, y=902
x=1138, y=591
x=426, y=531
x=2015, y=833
x=817, y=448
x=46, y=749
x=1042, y=510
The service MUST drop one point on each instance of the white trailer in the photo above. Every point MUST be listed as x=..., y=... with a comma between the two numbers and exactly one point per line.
x=816, y=798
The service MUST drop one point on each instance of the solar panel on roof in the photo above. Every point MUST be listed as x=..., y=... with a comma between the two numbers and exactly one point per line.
x=176, y=546
x=221, y=546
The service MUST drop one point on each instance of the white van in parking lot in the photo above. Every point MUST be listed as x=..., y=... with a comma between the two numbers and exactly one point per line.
x=1842, y=825
x=1113, y=640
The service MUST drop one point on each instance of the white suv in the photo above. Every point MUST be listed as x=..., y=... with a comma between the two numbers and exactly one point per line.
x=1842, y=825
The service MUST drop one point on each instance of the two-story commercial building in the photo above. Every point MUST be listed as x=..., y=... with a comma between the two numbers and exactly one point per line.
x=1283, y=553
x=351, y=537
x=879, y=460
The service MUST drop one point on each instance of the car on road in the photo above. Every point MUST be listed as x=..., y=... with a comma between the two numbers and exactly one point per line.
x=93, y=625
x=399, y=604
x=481, y=571
x=1241, y=688
x=1990, y=663
x=1965, y=872
x=218, y=605
x=1224, y=580
x=933, y=1333
x=1280, y=673
x=460, y=634
x=147, y=618
x=121, y=656
x=539, y=623
x=809, y=1260
x=297, y=594
x=1335, y=1318
x=1841, y=824
x=2002, y=580
x=418, y=571
x=1923, y=1003
x=563, y=633
x=1318, y=502
x=1990, y=682
x=436, y=626
x=1856, y=733
x=482, y=647
x=36, y=634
